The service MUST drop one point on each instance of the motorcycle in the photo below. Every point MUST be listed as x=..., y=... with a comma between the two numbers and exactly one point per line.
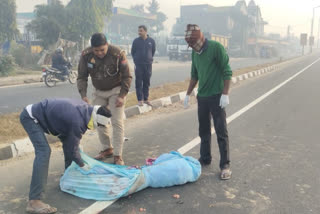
x=52, y=75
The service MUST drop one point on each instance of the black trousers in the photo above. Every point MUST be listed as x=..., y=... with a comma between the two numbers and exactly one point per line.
x=143, y=74
x=207, y=107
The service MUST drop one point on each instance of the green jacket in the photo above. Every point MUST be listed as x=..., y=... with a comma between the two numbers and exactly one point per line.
x=210, y=67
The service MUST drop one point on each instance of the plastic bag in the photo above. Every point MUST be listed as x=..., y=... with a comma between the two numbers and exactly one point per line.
x=108, y=181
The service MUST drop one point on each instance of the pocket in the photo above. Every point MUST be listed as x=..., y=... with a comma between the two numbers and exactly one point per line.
x=110, y=70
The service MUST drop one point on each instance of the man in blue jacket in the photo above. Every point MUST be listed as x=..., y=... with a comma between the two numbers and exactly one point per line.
x=142, y=51
x=68, y=120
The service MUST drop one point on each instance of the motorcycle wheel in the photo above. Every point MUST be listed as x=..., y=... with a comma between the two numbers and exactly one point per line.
x=50, y=80
x=73, y=75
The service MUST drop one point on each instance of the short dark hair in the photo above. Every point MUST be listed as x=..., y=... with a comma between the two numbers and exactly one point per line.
x=98, y=39
x=143, y=27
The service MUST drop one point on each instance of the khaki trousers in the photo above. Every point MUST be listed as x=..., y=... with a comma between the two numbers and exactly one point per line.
x=112, y=135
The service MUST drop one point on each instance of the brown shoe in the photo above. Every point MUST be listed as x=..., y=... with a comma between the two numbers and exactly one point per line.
x=148, y=103
x=118, y=160
x=104, y=154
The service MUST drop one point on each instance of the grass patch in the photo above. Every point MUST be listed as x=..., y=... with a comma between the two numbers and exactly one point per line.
x=11, y=128
x=252, y=68
x=25, y=72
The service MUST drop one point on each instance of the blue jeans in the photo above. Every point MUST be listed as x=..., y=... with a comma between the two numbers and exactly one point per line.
x=42, y=155
x=143, y=74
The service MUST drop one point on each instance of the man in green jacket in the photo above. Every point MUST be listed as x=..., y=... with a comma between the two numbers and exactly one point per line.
x=211, y=70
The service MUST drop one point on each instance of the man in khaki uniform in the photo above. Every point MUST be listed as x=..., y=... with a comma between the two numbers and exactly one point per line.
x=110, y=74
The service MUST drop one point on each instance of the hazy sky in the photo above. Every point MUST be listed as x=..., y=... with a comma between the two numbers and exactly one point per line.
x=278, y=13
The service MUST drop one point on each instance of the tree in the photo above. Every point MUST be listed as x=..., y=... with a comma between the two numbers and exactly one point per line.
x=86, y=17
x=153, y=7
x=138, y=7
x=49, y=23
x=156, y=25
x=8, y=26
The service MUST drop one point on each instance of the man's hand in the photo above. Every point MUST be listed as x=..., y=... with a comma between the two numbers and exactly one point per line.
x=224, y=100
x=86, y=167
x=119, y=102
x=86, y=99
x=186, y=101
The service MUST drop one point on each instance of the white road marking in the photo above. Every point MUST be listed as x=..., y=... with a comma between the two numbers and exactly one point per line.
x=234, y=116
x=101, y=205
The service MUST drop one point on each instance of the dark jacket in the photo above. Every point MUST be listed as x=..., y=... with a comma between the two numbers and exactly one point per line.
x=58, y=61
x=67, y=119
x=142, y=51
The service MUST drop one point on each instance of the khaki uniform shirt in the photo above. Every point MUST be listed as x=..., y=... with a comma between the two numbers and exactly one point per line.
x=106, y=73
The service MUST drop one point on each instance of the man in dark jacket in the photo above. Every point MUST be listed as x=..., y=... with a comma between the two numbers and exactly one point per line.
x=142, y=51
x=68, y=120
x=59, y=62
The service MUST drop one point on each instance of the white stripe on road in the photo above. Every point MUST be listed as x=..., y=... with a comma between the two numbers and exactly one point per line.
x=97, y=207
x=101, y=205
x=196, y=141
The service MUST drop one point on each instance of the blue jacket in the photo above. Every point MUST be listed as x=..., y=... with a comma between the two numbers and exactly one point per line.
x=66, y=118
x=142, y=51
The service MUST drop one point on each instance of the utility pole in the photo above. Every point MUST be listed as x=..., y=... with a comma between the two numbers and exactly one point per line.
x=311, y=33
x=318, y=33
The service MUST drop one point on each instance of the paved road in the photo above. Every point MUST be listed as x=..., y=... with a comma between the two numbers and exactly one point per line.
x=13, y=99
x=274, y=153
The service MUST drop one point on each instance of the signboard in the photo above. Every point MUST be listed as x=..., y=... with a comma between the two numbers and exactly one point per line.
x=303, y=39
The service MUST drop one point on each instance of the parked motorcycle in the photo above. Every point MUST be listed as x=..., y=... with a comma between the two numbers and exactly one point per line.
x=52, y=75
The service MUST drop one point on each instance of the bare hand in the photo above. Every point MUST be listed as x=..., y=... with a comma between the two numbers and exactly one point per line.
x=86, y=99
x=119, y=102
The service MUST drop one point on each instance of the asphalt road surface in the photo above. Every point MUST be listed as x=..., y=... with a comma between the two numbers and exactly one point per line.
x=274, y=142
x=15, y=98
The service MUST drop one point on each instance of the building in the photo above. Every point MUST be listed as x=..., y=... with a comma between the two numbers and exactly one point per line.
x=122, y=27
x=238, y=22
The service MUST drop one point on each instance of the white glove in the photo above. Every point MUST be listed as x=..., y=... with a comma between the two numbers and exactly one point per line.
x=86, y=167
x=186, y=101
x=224, y=101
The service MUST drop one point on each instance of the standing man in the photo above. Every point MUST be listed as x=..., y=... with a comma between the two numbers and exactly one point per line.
x=142, y=51
x=210, y=67
x=109, y=70
x=69, y=120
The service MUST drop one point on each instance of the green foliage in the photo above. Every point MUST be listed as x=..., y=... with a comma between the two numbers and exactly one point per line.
x=7, y=65
x=78, y=18
x=138, y=7
x=8, y=26
x=86, y=17
x=153, y=7
x=156, y=25
x=49, y=22
x=23, y=57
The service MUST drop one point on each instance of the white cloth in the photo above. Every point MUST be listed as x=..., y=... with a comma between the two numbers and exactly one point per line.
x=86, y=167
x=29, y=110
x=224, y=100
x=97, y=118
x=186, y=101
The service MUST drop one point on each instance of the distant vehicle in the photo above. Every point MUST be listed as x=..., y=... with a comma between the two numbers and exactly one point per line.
x=173, y=48
x=52, y=75
x=224, y=40
x=177, y=49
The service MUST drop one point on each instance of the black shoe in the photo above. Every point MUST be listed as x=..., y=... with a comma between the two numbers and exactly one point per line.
x=203, y=163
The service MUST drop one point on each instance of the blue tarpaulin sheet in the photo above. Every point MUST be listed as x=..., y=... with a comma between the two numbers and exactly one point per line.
x=106, y=181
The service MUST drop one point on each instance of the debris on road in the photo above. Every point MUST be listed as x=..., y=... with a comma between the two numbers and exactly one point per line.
x=176, y=196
